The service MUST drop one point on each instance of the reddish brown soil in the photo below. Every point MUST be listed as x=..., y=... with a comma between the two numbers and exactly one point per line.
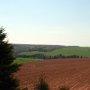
x=74, y=73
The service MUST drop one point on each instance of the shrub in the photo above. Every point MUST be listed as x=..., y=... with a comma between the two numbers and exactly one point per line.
x=64, y=88
x=25, y=88
x=41, y=84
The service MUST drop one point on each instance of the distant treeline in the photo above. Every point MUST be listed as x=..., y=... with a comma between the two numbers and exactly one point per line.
x=42, y=56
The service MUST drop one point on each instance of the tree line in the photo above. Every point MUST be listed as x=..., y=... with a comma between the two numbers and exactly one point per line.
x=42, y=56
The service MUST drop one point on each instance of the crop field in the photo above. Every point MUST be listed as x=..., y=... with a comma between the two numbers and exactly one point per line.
x=74, y=73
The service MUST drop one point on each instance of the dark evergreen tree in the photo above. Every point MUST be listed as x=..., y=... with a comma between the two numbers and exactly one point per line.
x=7, y=68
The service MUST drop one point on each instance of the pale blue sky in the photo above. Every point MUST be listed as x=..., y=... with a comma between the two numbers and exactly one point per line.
x=61, y=22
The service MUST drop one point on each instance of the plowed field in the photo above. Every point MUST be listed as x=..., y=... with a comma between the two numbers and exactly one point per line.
x=74, y=73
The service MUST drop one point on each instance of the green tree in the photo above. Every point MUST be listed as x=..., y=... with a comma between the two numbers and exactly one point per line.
x=7, y=68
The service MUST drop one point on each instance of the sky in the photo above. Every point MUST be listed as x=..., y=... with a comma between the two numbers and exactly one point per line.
x=55, y=22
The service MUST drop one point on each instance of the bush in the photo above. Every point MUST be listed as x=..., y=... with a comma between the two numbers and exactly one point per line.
x=41, y=84
x=64, y=88
x=25, y=88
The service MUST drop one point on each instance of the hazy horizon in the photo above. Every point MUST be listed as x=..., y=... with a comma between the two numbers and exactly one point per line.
x=51, y=22
x=49, y=44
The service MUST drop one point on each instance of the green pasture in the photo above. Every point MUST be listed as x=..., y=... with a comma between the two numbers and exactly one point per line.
x=67, y=51
x=25, y=60
x=80, y=51
x=31, y=53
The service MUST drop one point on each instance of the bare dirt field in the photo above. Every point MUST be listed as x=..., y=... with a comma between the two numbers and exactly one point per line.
x=74, y=73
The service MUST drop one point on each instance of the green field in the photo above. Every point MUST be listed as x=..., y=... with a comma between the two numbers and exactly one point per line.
x=25, y=60
x=32, y=53
x=67, y=51
x=80, y=51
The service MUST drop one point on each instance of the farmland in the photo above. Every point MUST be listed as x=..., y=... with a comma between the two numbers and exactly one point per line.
x=37, y=59
x=64, y=52
x=27, y=53
x=74, y=73
x=80, y=51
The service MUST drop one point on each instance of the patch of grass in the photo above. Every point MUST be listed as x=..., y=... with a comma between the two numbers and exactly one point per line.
x=25, y=60
x=80, y=51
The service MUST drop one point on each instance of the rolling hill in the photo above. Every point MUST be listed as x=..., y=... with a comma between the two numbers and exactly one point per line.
x=25, y=53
